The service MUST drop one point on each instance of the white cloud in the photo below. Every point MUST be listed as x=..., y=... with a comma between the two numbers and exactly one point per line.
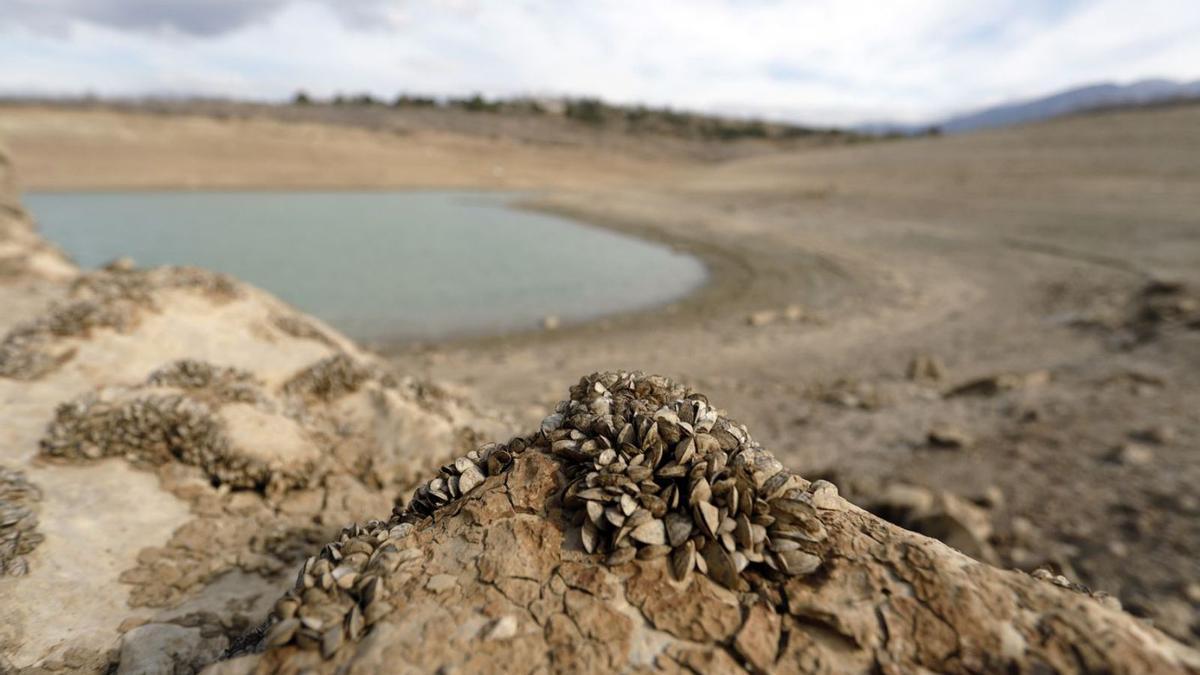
x=826, y=61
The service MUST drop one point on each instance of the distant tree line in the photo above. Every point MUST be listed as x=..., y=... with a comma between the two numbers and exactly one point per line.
x=594, y=112
x=640, y=118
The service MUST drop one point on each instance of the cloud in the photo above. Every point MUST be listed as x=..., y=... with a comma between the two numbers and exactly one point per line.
x=199, y=18
x=821, y=61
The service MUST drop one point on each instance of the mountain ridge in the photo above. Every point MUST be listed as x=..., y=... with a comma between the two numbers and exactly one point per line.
x=1075, y=100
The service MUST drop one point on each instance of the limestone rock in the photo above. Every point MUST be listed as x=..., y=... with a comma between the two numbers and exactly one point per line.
x=1132, y=454
x=935, y=513
x=762, y=317
x=949, y=437
x=758, y=639
x=924, y=367
x=164, y=648
x=884, y=598
x=24, y=256
x=991, y=385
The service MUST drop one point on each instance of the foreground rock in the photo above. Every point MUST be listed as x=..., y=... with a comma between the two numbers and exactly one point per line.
x=514, y=568
x=180, y=428
x=172, y=442
x=25, y=258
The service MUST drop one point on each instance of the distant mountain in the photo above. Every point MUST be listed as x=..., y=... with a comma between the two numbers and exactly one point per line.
x=1071, y=101
x=1074, y=101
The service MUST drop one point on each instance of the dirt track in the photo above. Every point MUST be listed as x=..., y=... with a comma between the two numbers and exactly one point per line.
x=1021, y=252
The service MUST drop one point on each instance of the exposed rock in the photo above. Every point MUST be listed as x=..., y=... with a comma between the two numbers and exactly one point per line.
x=960, y=524
x=1155, y=435
x=1160, y=305
x=949, y=437
x=885, y=599
x=762, y=317
x=758, y=639
x=165, y=648
x=439, y=582
x=23, y=254
x=942, y=515
x=991, y=385
x=824, y=495
x=1132, y=454
x=766, y=317
x=926, y=368
x=852, y=394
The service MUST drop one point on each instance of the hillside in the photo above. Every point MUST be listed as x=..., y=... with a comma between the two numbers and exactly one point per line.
x=1074, y=101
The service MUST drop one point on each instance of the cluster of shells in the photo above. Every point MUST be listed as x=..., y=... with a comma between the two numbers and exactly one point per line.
x=655, y=471
x=224, y=384
x=24, y=354
x=460, y=477
x=122, y=280
x=652, y=470
x=152, y=429
x=18, y=523
x=342, y=591
x=109, y=298
x=300, y=328
x=331, y=378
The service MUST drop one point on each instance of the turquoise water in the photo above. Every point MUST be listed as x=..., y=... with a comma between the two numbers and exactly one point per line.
x=380, y=265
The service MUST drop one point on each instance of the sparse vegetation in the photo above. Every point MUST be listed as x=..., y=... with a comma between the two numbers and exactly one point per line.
x=409, y=101
x=595, y=112
x=587, y=110
x=586, y=114
x=643, y=119
x=476, y=103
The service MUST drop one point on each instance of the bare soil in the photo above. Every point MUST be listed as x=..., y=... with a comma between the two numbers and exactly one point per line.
x=1036, y=257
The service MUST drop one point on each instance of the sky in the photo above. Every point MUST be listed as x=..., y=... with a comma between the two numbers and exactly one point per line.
x=836, y=62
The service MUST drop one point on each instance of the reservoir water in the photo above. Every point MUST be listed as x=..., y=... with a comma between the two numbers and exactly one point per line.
x=380, y=265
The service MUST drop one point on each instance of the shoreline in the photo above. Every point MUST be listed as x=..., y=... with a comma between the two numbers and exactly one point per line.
x=725, y=273
x=726, y=278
